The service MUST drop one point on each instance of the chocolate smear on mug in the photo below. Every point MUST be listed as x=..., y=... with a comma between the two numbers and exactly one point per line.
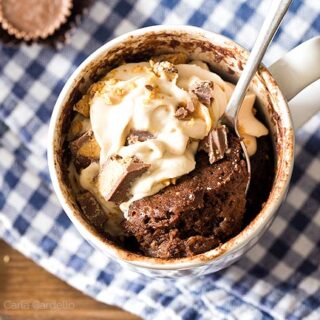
x=174, y=58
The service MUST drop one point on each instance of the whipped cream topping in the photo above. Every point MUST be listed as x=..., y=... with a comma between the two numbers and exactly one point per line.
x=136, y=97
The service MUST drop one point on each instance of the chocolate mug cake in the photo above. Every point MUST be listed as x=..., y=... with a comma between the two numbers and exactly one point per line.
x=153, y=166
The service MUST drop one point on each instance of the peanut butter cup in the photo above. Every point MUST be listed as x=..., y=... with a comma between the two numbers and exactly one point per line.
x=60, y=35
x=33, y=19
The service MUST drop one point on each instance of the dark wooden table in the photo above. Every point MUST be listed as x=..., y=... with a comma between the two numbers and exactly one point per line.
x=29, y=292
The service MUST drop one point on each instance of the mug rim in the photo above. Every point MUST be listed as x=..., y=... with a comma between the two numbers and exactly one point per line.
x=237, y=242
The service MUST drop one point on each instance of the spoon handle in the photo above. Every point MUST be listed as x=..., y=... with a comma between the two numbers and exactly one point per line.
x=277, y=10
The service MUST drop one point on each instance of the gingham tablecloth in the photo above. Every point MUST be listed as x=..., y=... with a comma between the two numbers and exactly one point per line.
x=279, y=278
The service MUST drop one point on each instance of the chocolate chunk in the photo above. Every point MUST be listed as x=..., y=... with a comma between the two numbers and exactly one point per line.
x=175, y=58
x=204, y=91
x=138, y=136
x=116, y=176
x=149, y=87
x=164, y=69
x=85, y=150
x=92, y=209
x=215, y=143
x=184, y=111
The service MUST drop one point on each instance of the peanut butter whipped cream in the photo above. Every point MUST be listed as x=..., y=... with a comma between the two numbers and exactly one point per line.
x=155, y=114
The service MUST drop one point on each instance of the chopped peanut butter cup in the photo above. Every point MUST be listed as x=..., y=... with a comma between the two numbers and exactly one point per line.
x=215, y=143
x=85, y=150
x=33, y=19
x=92, y=209
x=138, y=136
x=117, y=175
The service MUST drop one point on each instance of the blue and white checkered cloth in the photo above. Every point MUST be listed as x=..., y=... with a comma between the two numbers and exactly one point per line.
x=278, y=279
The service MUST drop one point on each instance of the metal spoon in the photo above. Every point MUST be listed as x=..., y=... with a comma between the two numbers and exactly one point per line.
x=277, y=10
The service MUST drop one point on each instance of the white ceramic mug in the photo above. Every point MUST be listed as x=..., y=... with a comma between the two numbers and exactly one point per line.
x=291, y=74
